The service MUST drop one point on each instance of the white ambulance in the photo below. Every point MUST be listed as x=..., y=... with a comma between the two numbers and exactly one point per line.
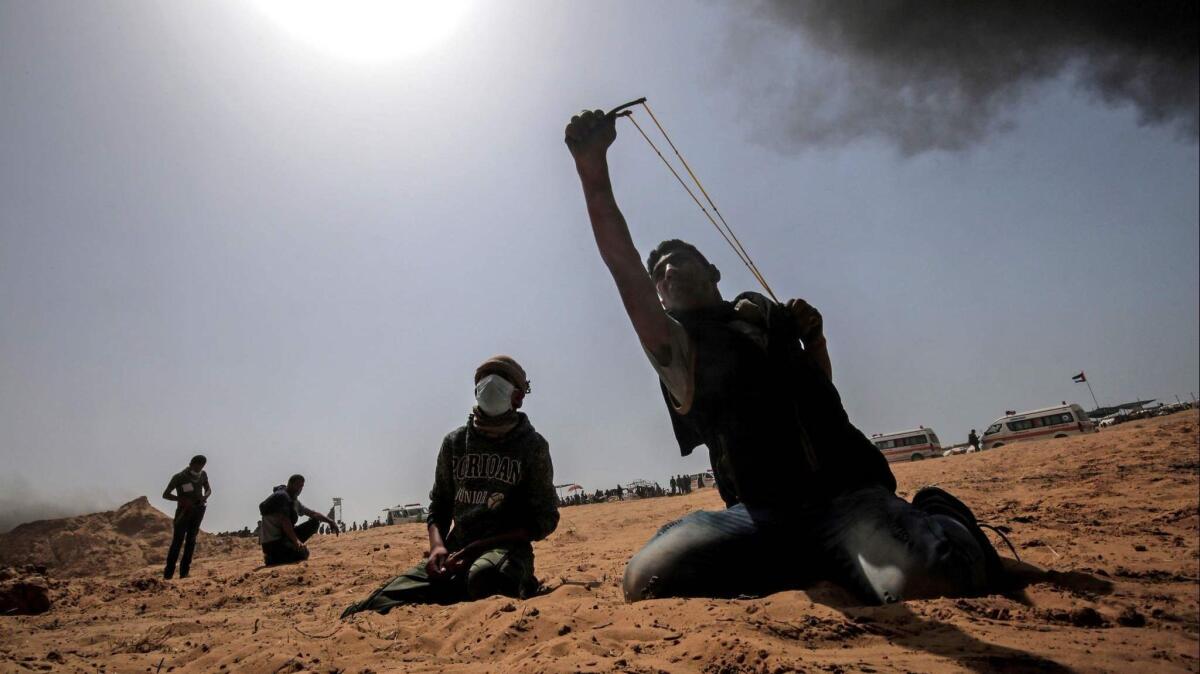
x=1048, y=422
x=919, y=443
x=409, y=512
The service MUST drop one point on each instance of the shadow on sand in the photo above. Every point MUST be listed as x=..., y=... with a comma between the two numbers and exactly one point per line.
x=900, y=625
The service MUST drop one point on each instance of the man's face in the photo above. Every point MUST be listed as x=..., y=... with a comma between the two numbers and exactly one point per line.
x=516, y=397
x=294, y=488
x=684, y=281
x=196, y=467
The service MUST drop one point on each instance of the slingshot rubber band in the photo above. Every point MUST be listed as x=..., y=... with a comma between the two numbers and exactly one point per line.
x=726, y=231
x=689, y=191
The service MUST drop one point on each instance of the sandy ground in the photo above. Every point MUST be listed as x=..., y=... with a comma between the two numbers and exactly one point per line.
x=1112, y=518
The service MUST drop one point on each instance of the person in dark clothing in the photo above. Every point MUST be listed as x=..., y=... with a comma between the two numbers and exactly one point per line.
x=807, y=495
x=973, y=439
x=493, y=495
x=283, y=541
x=190, y=490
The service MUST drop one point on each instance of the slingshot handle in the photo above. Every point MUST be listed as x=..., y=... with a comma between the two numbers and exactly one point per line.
x=622, y=110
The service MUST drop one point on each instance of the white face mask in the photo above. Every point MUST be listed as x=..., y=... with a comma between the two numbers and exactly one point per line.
x=494, y=395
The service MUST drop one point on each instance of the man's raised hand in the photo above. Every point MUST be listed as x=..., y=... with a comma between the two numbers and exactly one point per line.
x=588, y=136
x=810, y=327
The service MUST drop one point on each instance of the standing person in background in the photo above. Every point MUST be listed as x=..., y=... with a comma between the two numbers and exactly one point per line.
x=973, y=440
x=190, y=492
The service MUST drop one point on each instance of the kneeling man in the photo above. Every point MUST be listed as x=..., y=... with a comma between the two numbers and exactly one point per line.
x=283, y=541
x=808, y=496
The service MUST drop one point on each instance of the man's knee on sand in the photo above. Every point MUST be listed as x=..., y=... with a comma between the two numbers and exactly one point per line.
x=651, y=572
x=661, y=567
x=641, y=577
x=274, y=555
x=495, y=573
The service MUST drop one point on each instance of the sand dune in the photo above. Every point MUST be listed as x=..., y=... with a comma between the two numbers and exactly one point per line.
x=1111, y=519
x=129, y=537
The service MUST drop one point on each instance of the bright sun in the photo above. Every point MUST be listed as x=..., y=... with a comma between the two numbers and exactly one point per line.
x=367, y=31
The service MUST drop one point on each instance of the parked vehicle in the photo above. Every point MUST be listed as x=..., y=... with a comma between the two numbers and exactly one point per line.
x=1057, y=422
x=955, y=450
x=412, y=512
x=914, y=445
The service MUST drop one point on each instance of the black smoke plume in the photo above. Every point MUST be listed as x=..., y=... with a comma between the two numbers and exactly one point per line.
x=943, y=74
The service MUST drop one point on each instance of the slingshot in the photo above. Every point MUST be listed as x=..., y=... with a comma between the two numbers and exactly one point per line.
x=723, y=227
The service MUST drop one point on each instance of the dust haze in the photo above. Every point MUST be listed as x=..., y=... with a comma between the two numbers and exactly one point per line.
x=21, y=503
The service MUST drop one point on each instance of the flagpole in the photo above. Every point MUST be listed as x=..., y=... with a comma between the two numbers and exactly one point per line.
x=1089, y=385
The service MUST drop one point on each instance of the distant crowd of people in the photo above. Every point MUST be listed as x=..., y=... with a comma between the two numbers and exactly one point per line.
x=679, y=485
x=322, y=529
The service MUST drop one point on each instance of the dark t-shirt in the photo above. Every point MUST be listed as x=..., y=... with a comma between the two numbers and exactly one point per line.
x=189, y=487
x=278, y=503
x=738, y=380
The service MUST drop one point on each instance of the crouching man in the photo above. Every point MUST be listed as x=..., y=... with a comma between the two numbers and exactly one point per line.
x=283, y=541
x=493, y=495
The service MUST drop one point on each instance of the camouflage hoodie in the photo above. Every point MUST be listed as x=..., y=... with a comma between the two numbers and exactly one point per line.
x=489, y=485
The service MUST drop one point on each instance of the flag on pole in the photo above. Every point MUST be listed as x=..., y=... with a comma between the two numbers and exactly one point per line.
x=1079, y=378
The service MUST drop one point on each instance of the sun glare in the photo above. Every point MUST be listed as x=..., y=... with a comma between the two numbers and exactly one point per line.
x=367, y=31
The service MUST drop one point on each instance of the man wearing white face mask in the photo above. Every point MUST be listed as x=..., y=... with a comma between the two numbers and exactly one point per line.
x=493, y=495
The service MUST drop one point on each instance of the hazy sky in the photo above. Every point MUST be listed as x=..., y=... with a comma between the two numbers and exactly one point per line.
x=217, y=238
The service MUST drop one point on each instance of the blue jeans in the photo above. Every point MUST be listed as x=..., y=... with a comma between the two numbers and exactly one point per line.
x=870, y=541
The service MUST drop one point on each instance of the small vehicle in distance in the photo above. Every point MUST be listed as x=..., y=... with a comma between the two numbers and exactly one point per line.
x=1059, y=421
x=913, y=445
x=411, y=512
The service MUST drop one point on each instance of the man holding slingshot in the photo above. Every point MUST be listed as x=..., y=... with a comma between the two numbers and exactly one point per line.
x=808, y=496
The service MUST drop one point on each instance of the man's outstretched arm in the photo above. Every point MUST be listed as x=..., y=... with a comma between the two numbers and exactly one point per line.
x=320, y=517
x=588, y=136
